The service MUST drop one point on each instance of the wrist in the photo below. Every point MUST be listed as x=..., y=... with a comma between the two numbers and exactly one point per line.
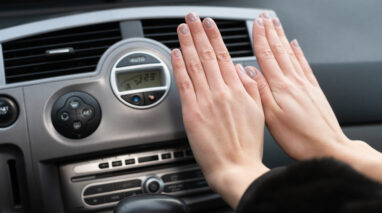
x=232, y=182
x=363, y=158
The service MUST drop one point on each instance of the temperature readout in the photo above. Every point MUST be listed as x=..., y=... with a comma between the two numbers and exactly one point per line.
x=139, y=80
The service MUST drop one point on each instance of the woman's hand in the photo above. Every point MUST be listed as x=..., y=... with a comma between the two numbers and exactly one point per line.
x=296, y=110
x=222, y=110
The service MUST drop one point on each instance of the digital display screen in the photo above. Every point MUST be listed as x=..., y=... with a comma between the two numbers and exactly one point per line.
x=139, y=80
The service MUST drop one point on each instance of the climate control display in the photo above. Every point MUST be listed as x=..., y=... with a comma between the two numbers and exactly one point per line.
x=140, y=79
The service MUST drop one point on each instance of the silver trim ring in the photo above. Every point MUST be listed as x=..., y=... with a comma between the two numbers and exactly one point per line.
x=166, y=77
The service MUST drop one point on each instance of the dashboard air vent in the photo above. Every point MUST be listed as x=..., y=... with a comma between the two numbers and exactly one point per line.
x=64, y=52
x=235, y=34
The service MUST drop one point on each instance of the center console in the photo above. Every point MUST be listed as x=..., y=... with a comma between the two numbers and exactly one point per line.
x=102, y=183
x=92, y=100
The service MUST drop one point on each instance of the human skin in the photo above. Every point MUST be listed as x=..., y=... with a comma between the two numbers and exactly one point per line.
x=221, y=108
x=297, y=112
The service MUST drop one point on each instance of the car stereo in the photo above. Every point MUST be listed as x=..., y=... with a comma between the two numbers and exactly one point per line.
x=102, y=183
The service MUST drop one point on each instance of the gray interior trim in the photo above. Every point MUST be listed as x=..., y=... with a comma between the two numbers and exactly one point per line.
x=126, y=27
x=123, y=14
x=2, y=71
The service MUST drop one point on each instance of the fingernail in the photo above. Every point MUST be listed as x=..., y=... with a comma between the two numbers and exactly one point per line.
x=295, y=43
x=260, y=22
x=241, y=68
x=191, y=17
x=250, y=72
x=276, y=22
x=266, y=15
x=208, y=22
x=177, y=53
x=184, y=29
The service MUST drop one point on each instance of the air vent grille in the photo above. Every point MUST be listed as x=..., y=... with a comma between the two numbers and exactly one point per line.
x=235, y=34
x=28, y=59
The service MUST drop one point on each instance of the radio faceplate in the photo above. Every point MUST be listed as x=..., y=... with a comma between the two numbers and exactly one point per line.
x=92, y=185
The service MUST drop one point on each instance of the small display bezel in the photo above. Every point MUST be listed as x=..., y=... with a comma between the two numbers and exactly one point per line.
x=159, y=64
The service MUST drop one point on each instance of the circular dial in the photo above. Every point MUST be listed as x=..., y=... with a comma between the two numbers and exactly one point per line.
x=153, y=185
x=76, y=115
x=9, y=111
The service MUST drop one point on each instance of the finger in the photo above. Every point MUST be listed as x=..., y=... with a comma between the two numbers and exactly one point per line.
x=247, y=78
x=191, y=59
x=183, y=81
x=277, y=48
x=268, y=101
x=284, y=40
x=205, y=51
x=264, y=55
x=224, y=59
x=303, y=62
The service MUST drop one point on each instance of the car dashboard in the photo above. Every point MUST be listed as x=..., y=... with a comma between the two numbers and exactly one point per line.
x=90, y=112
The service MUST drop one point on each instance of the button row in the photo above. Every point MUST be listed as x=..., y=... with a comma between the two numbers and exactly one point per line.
x=112, y=187
x=143, y=98
x=111, y=198
x=117, y=163
x=145, y=159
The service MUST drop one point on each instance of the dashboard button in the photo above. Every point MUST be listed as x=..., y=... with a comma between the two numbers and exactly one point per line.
x=116, y=163
x=103, y=165
x=99, y=189
x=64, y=116
x=87, y=113
x=136, y=99
x=74, y=104
x=95, y=200
x=174, y=187
x=182, y=176
x=8, y=111
x=137, y=59
x=148, y=159
x=129, y=161
x=196, y=184
x=128, y=184
x=76, y=115
x=185, y=186
x=77, y=125
x=114, y=197
x=166, y=156
x=152, y=97
x=153, y=185
x=133, y=193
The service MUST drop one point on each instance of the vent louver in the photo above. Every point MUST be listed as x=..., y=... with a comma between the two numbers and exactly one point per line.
x=64, y=52
x=235, y=34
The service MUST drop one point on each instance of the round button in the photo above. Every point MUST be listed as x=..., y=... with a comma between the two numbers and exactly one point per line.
x=77, y=125
x=153, y=185
x=74, y=104
x=136, y=99
x=64, y=116
x=8, y=111
x=87, y=113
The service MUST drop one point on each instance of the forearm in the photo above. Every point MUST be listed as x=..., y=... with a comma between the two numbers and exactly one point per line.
x=231, y=183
